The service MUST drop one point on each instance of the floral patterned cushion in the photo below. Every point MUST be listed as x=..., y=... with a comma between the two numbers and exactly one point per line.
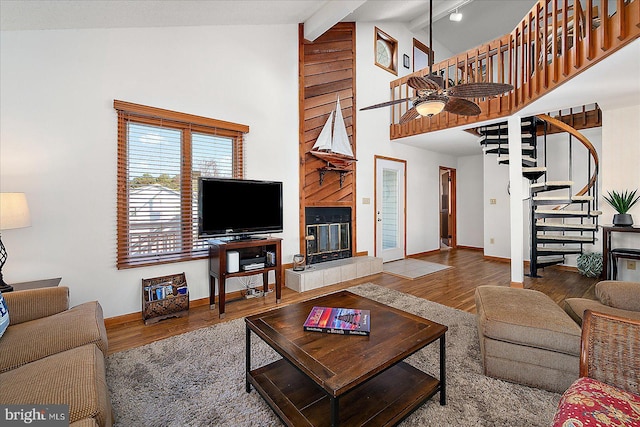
x=589, y=402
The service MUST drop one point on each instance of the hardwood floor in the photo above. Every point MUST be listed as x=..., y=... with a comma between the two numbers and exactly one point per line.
x=453, y=287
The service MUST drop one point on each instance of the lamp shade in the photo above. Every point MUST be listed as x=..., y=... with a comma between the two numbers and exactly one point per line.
x=14, y=211
x=432, y=105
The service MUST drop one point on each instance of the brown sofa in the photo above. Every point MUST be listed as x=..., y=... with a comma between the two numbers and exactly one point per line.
x=53, y=354
x=526, y=338
x=617, y=298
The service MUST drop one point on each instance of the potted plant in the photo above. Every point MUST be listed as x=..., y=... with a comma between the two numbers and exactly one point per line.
x=622, y=202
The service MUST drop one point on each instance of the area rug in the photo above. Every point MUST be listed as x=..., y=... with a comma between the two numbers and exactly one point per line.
x=410, y=268
x=197, y=378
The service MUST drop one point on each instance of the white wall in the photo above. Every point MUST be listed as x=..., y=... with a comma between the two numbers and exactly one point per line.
x=58, y=143
x=58, y=139
x=621, y=171
x=373, y=139
x=58, y=134
x=497, y=235
x=470, y=197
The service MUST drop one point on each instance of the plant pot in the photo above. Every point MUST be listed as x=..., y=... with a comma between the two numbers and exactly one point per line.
x=623, y=220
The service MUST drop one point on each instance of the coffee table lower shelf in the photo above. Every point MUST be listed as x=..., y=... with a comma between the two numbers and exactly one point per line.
x=385, y=399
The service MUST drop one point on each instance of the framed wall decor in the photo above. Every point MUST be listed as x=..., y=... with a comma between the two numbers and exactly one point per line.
x=406, y=62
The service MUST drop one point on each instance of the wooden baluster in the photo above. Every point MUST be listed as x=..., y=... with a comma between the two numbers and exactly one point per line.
x=622, y=33
x=554, y=40
x=526, y=75
x=511, y=70
x=565, y=38
x=523, y=63
x=588, y=30
x=489, y=69
x=578, y=19
x=604, y=25
x=536, y=59
x=506, y=72
x=545, y=44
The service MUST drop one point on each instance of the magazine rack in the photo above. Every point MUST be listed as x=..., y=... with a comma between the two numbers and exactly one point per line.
x=164, y=297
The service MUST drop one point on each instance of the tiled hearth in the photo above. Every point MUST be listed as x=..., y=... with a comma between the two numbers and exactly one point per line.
x=331, y=272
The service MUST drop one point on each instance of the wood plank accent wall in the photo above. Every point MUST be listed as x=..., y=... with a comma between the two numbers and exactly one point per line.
x=327, y=69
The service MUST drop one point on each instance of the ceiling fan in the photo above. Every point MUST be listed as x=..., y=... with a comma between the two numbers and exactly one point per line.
x=430, y=96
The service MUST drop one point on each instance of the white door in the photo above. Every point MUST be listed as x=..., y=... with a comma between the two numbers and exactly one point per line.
x=390, y=209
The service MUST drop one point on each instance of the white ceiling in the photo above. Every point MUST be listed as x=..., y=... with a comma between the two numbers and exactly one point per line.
x=483, y=19
x=613, y=83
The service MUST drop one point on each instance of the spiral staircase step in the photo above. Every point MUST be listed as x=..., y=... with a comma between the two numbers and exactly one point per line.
x=550, y=186
x=565, y=238
x=550, y=226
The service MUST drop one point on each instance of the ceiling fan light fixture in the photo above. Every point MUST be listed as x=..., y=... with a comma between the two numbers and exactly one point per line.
x=455, y=16
x=430, y=106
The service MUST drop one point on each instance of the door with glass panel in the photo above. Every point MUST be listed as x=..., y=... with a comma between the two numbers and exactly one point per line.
x=390, y=209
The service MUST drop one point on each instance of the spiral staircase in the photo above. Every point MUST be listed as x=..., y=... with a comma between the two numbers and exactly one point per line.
x=562, y=220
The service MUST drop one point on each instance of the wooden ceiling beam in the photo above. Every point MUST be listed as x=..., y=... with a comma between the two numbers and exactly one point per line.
x=329, y=15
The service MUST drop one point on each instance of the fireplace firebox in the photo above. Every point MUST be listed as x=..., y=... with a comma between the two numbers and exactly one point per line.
x=328, y=233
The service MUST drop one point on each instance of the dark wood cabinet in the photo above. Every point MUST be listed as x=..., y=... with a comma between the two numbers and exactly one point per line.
x=251, y=252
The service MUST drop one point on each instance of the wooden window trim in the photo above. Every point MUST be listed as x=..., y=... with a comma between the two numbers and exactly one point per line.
x=381, y=35
x=144, y=110
x=186, y=124
x=424, y=48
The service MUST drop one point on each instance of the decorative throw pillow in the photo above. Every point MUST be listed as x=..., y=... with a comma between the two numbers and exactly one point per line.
x=4, y=315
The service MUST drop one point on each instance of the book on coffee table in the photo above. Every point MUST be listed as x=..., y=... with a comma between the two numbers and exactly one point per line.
x=345, y=321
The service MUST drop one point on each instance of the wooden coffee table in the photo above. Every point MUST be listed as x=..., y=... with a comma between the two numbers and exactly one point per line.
x=329, y=379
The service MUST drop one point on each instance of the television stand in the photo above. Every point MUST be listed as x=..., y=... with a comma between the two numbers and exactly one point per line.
x=248, y=250
x=245, y=238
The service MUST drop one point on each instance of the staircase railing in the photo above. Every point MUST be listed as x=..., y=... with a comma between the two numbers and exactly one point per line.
x=593, y=180
x=557, y=40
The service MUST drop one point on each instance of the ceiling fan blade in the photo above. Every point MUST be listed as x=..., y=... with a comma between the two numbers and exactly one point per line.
x=479, y=90
x=462, y=107
x=385, y=104
x=411, y=114
x=423, y=83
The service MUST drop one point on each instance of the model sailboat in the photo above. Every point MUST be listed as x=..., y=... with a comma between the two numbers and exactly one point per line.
x=333, y=144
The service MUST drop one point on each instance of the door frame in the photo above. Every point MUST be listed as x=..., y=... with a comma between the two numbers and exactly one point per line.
x=376, y=158
x=453, y=229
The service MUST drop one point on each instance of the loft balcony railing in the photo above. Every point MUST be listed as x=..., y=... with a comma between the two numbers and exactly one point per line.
x=557, y=40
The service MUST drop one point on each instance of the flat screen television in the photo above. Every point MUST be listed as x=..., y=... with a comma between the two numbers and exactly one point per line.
x=238, y=207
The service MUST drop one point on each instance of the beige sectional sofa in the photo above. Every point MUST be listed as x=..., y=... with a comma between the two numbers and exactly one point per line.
x=614, y=297
x=53, y=354
x=526, y=338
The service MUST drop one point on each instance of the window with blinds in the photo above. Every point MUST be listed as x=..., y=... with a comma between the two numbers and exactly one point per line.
x=161, y=155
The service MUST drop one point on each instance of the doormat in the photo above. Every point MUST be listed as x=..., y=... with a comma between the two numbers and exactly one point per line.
x=410, y=268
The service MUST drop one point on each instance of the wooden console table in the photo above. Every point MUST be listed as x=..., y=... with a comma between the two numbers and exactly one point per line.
x=248, y=250
x=607, y=230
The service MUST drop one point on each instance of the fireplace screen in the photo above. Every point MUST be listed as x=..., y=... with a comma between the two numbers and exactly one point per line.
x=324, y=238
x=328, y=234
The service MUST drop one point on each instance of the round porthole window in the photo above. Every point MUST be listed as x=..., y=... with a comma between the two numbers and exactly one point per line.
x=383, y=53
